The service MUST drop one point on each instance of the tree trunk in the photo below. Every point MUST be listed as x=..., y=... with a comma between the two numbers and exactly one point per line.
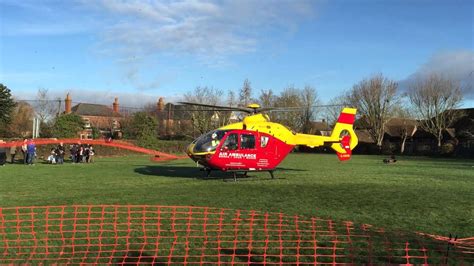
x=440, y=137
x=380, y=144
x=402, y=147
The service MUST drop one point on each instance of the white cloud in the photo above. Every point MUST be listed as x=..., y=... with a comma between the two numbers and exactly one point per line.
x=207, y=31
x=455, y=65
x=212, y=29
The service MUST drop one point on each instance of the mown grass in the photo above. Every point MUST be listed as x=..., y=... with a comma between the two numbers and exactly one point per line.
x=434, y=196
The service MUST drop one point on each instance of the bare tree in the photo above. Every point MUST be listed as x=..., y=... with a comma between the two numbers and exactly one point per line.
x=289, y=98
x=435, y=100
x=245, y=94
x=334, y=108
x=45, y=108
x=268, y=99
x=407, y=126
x=374, y=99
x=231, y=99
x=309, y=98
x=203, y=118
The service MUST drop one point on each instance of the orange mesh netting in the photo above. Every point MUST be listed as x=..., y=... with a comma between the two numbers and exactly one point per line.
x=157, y=155
x=200, y=235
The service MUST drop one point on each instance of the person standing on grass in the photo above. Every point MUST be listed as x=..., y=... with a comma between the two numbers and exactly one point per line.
x=24, y=151
x=73, y=151
x=80, y=153
x=31, y=151
x=91, y=154
x=60, y=153
x=12, y=154
x=86, y=153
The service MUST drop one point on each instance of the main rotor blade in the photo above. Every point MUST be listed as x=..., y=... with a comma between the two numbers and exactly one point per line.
x=297, y=108
x=228, y=108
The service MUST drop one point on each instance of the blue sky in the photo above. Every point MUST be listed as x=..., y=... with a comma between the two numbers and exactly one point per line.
x=142, y=50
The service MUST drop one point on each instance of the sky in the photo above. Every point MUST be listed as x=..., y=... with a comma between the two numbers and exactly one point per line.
x=142, y=50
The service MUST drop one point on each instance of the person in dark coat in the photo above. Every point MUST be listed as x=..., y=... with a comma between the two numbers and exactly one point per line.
x=73, y=151
x=60, y=150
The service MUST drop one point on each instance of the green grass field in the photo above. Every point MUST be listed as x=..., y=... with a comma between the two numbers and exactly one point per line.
x=434, y=196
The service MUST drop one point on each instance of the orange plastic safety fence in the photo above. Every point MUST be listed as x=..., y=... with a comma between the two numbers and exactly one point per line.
x=158, y=156
x=198, y=235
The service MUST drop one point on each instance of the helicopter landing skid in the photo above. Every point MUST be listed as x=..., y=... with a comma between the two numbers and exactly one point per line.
x=207, y=172
x=235, y=172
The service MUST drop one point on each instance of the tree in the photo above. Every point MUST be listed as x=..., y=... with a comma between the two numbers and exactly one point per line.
x=309, y=97
x=45, y=108
x=435, y=99
x=22, y=120
x=407, y=126
x=6, y=108
x=374, y=99
x=334, y=108
x=231, y=99
x=201, y=116
x=245, y=94
x=67, y=126
x=289, y=98
x=268, y=99
x=142, y=127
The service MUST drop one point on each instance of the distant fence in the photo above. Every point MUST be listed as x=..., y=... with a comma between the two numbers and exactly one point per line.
x=174, y=235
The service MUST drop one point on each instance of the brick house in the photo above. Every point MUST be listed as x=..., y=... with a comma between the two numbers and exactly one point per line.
x=104, y=119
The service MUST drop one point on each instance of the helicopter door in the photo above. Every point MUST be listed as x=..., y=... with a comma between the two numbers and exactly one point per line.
x=238, y=151
x=231, y=143
x=248, y=149
x=267, y=150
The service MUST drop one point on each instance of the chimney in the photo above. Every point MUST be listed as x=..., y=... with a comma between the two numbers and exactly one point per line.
x=161, y=104
x=116, y=105
x=67, y=104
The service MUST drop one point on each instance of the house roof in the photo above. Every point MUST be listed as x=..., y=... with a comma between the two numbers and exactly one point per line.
x=364, y=136
x=93, y=110
x=319, y=126
x=396, y=126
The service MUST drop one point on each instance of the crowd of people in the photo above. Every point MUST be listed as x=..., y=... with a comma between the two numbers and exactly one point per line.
x=79, y=153
x=28, y=148
x=82, y=153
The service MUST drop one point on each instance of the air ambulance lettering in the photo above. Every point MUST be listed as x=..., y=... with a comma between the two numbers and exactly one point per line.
x=234, y=155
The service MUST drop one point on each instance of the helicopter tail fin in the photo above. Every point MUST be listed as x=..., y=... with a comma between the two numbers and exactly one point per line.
x=344, y=135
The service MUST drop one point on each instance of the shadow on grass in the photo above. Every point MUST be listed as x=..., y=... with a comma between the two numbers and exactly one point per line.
x=194, y=172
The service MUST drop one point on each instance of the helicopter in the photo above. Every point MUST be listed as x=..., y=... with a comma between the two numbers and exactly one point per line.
x=257, y=144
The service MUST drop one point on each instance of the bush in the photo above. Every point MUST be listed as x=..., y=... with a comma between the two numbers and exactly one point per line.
x=67, y=126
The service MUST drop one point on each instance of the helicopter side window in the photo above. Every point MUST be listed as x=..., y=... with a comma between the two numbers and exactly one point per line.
x=231, y=142
x=264, y=141
x=247, y=141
